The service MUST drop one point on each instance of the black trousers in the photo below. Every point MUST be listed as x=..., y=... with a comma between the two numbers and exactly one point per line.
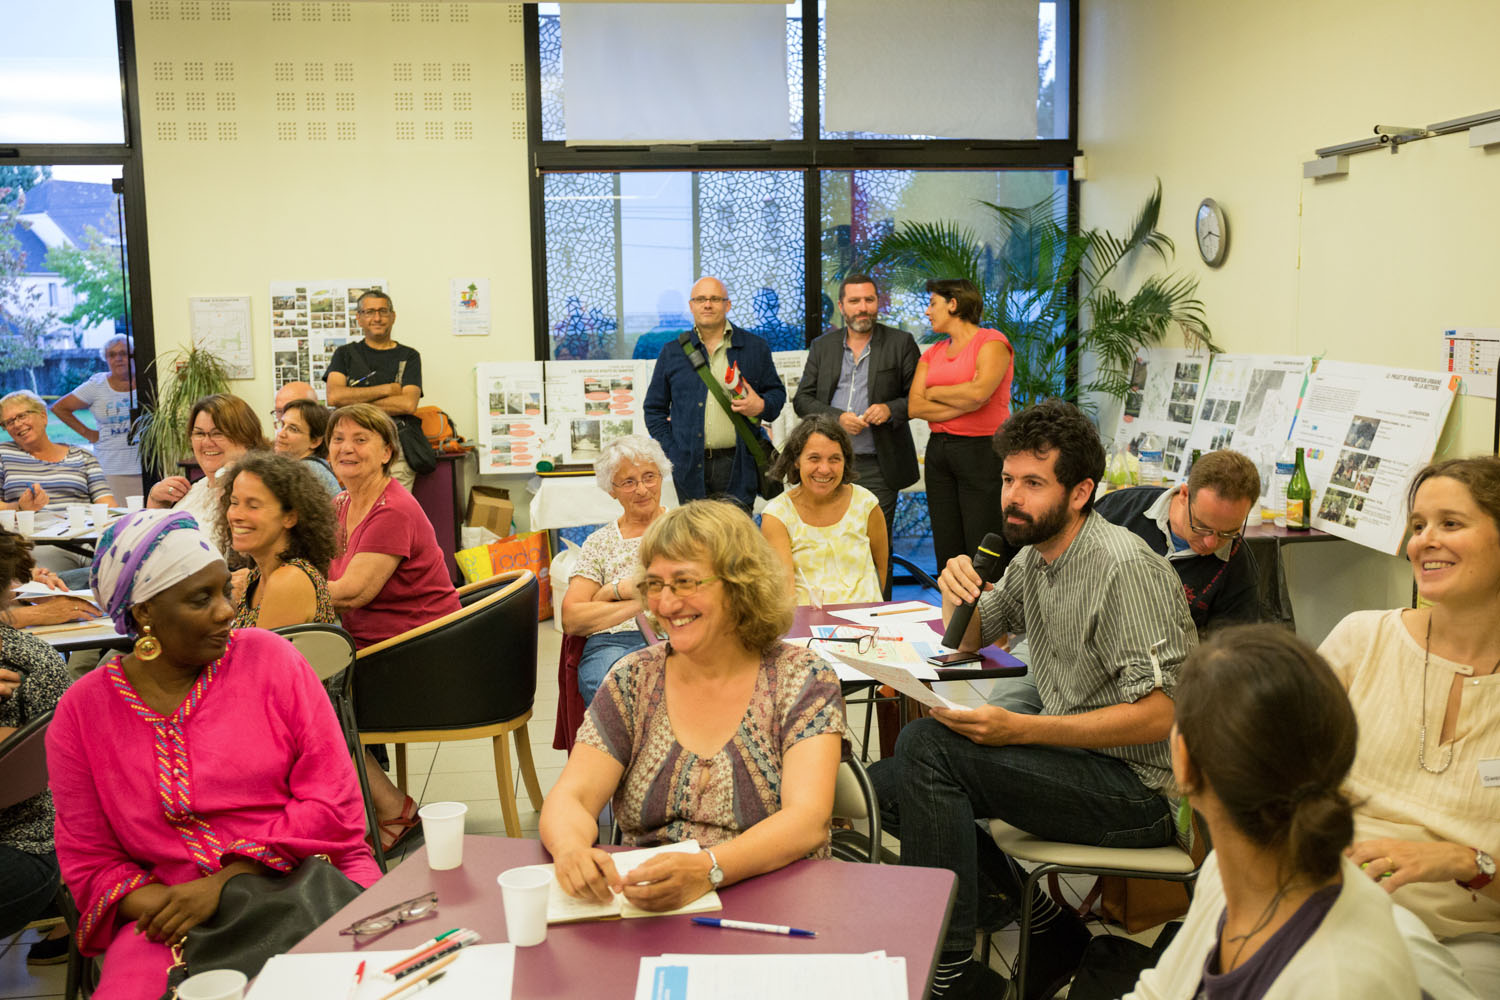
x=963, y=494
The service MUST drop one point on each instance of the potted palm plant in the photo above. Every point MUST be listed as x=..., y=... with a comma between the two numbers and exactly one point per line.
x=1049, y=290
x=187, y=376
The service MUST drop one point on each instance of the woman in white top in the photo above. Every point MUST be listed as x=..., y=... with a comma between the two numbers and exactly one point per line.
x=108, y=396
x=828, y=532
x=222, y=429
x=1263, y=739
x=1424, y=685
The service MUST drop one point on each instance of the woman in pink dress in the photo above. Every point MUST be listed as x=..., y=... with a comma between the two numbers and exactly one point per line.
x=201, y=754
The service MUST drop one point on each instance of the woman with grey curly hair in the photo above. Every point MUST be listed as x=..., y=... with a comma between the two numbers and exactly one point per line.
x=602, y=602
x=724, y=734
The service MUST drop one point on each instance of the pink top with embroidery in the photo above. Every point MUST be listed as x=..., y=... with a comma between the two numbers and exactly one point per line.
x=252, y=765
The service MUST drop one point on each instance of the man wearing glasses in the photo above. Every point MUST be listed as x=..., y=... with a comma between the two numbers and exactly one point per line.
x=378, y=370
x=708, y=457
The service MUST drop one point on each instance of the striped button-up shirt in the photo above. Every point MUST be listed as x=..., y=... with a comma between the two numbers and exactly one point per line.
x=1092, y=616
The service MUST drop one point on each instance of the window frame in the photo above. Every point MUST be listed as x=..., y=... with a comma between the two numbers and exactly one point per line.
x=810, y=154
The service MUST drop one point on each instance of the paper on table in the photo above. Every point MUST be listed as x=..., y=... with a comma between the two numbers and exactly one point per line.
x=900, y=678
x=32, y=590
x=482, y=970
x=789, y=977
x=563, y=909
x=891, y=614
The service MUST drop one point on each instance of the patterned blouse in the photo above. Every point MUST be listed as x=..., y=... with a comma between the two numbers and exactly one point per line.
x=669, y=793
x=247, y=614
x=27, y=826
x=607, y=556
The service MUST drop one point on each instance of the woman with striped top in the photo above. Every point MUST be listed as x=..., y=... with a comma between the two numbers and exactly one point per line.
x=36, y=471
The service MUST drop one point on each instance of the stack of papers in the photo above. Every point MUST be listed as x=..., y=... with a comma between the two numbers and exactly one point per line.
x=875, y=975
x=565, y=909
x=33, y=591
x=482, y=970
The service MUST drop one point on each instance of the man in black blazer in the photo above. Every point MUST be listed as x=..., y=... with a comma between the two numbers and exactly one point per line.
x=862, y=374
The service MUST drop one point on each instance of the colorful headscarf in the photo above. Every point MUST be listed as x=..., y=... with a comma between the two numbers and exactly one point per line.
x=141, y=555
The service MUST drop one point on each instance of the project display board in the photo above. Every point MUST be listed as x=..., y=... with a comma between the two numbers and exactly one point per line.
x=1366, y=430
x=511, y=421
x=590, y=403
x=309, y=319
x=1248, y=404
x=1166, y=384
x=789, y=365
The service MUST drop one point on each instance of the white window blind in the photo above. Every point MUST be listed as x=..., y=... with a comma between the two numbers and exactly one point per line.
x=962, y=69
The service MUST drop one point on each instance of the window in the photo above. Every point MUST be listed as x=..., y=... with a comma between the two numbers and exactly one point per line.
x=60, y=79
x=622, y=231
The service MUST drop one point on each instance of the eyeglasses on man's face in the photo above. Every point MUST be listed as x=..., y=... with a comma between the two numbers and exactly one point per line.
x=647, y=480
x=393, y=916
x=682, y=586
x=381, y=313
x=708, y=300
x=1204, y=531
x=861, y=637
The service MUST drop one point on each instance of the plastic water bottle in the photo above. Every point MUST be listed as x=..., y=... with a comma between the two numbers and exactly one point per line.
x=1286, y=465
x=1151, y=458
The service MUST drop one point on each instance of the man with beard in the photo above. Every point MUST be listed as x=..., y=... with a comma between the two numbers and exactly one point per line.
x=862, y=375
x=1109, y=629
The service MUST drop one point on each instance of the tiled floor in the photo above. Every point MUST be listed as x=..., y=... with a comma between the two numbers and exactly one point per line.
x=465, y=772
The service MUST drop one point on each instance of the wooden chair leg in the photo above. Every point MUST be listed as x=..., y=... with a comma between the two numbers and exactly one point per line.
x=401, y=767
x=507, y=789
x=528, y=769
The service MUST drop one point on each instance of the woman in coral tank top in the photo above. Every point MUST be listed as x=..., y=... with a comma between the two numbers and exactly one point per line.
x=962, y=389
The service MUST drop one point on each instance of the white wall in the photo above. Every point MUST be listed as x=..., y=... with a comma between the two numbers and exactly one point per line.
x=1226, y=100
x=276, y=148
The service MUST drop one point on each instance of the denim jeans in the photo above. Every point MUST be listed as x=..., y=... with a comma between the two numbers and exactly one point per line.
x=942, y=782
x=600, y=651
x=28, y=882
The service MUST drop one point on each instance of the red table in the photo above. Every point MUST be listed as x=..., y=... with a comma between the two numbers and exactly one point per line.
x=996, y=662
x=853, y=907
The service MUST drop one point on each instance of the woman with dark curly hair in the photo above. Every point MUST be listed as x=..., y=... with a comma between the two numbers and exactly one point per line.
x=275, y=513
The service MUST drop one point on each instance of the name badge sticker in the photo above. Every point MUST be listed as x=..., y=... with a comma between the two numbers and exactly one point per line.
x=1489, y=772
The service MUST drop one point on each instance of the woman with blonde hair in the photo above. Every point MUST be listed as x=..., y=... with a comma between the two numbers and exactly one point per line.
x=723, y=734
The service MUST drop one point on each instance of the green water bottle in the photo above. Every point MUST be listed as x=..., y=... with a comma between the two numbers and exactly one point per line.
x=1299, y=498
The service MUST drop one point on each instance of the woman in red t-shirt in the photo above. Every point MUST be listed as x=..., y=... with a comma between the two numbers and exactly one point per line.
x=962, y=389
x=389, y=575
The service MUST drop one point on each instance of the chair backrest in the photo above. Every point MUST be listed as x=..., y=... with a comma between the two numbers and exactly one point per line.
x=470, y=593
x=328, y=648
x=474, y=667
x=854, y=799
x=23, y=762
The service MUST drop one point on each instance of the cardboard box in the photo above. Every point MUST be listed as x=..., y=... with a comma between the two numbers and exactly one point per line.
x=490, y=507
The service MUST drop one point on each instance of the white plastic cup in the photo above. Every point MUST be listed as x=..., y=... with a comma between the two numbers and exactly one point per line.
x=26, y=522
x=99, y=513
x=8, y=520
x=135, y=502
x=220, y=984
x=443, y=829
x=524, y=892
x=78, y=518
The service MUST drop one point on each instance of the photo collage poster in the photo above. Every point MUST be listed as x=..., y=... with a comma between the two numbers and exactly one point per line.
x=309, y=320
x=512, y=424
x=1165, y=386
x=1249, y=403
x=1366, y=429
x=590, y=403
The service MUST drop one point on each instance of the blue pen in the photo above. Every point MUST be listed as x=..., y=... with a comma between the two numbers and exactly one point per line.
x=745, y=925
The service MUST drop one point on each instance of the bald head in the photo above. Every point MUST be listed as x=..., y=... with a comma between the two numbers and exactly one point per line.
x=710, y=303
x=291, y=391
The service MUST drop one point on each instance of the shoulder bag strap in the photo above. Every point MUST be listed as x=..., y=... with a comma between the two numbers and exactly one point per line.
x=741, y=424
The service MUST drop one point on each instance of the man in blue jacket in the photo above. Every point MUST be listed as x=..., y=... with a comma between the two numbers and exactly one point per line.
x=708, y=457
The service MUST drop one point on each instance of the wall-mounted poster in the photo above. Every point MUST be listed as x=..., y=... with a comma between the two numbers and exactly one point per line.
x=1366, y=430
x=1165, y=386
x=220, y=324
x=309, y=320
x=590, y=403
x=511, y=421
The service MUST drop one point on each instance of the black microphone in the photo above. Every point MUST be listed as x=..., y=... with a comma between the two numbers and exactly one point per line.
x=988, y=564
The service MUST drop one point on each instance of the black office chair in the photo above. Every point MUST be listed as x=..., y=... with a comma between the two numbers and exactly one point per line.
x=468, y=675
x=480, y=589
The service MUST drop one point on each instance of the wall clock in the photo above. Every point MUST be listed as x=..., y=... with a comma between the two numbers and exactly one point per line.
x=1212, y=230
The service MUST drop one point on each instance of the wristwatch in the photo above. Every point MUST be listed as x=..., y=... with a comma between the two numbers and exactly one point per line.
x=716, y=874
x=1486, y=865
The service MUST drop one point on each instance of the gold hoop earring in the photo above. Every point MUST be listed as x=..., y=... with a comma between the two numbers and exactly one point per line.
x=147, y=647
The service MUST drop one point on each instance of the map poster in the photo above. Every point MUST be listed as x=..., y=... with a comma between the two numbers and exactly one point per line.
x=220, y=324
x=510, y=417
x=309, y=320
x=1165, y=386
x=1366, y=430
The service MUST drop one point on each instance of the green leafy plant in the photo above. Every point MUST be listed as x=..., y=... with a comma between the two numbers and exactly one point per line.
x=184, y=377
x=1049, y=291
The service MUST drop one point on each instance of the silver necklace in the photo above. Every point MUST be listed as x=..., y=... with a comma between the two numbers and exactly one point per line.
x=1422, y=730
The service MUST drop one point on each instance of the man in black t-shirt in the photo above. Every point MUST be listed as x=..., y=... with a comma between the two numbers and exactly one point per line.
x=377, y=370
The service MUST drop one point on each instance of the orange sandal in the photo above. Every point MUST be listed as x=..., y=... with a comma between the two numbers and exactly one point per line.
x=394, y=831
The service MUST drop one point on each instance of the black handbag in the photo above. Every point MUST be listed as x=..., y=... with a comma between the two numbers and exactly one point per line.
x=260, y=916
x=764, y=454
x=415, y=447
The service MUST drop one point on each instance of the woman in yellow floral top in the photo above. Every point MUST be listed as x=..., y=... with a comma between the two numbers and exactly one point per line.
x=724, y=734
x=273, y=511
